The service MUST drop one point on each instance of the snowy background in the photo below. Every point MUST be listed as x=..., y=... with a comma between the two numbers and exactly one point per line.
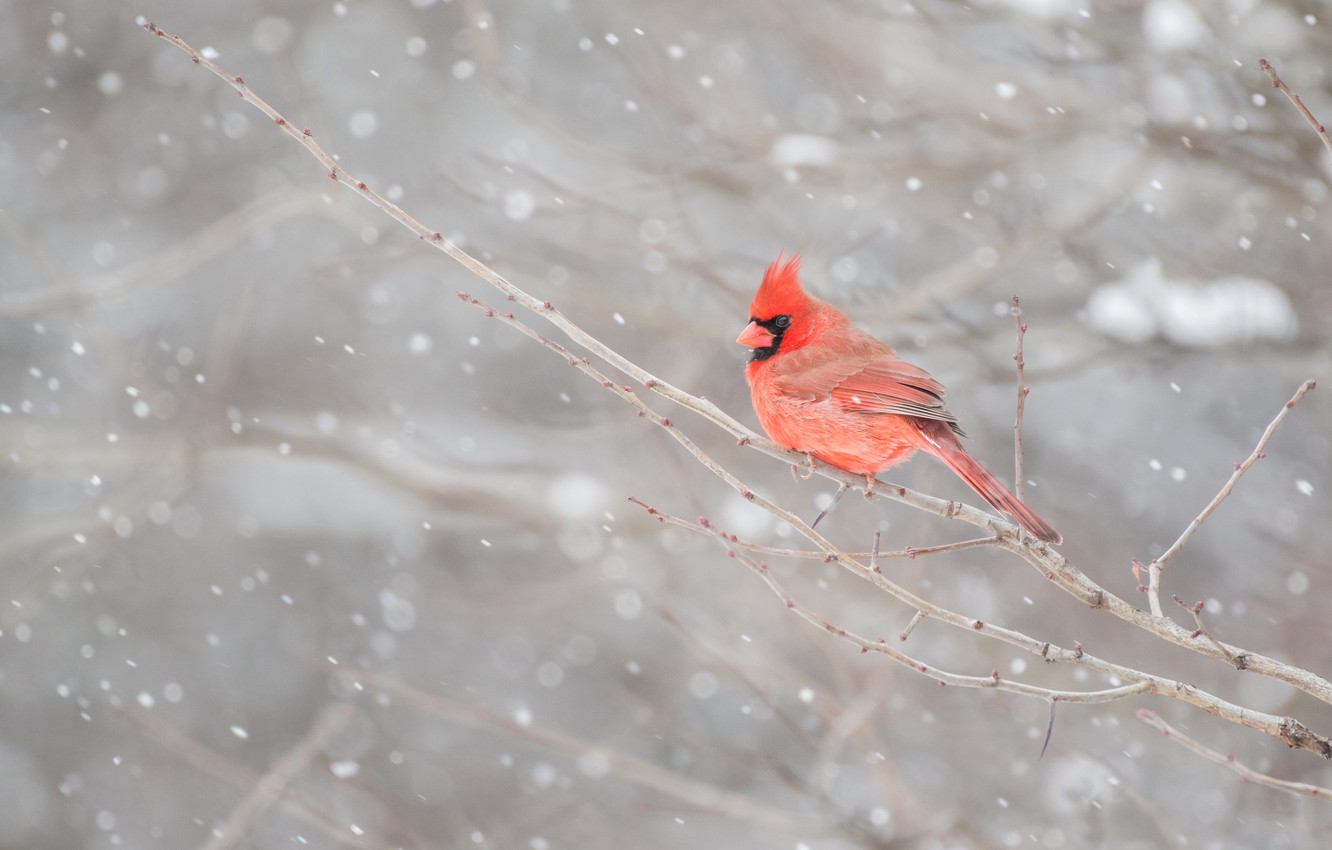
x=247, y=427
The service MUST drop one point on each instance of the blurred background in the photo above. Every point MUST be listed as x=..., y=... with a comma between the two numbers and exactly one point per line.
x=273, y=501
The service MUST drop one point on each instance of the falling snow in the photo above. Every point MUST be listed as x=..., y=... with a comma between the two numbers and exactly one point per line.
x=263, y=467
x=519, y=204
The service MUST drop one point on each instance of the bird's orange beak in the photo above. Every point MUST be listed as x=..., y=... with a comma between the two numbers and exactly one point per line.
x=754, y=336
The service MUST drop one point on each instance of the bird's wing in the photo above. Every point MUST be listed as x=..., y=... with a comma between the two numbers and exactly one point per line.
x=867, y=383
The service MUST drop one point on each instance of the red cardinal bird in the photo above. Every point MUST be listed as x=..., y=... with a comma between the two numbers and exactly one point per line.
x=823, y=386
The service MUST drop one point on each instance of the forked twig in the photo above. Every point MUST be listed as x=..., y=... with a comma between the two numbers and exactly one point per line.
x=222, y=766
x=1154, y=568
x=1286, y=729
x=1201, y=631
x=943, y=677
x=1151, y=718
x=273, y=785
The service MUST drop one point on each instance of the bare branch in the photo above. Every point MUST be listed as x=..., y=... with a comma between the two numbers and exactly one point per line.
x=1151, y=718
x=1022, y=392
x=269, y=789
x=1286, y=729
x=916, y=619
x=1278, y=83
x=1196, y=611
x=943, y=677
x=909, y=553
x=1155, y=567
x=223, y=767
x=636, y=770
x=1073, y=581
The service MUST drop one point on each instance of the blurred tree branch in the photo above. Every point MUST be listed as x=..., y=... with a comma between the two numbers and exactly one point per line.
x=1280, y=85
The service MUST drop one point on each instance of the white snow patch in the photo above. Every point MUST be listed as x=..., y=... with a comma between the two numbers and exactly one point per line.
x=628, y=604
x=399, y=614
x=550, y=674
x=1173, y=25
x=344, y=769
x=519, y=205
x=420, y=343
x=594, y=763
x=363, y=123
x=272, y=34
x=576, y=496
x=794, y=150
x=1297, y=582
x=1045, y=9
x=1144, y=305
x=703, y=685
x=110, y=83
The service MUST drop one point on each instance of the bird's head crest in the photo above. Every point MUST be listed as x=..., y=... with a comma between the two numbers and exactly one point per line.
x=780, y=292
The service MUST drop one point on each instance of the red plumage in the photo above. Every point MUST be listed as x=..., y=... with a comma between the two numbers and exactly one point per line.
x=823, y=386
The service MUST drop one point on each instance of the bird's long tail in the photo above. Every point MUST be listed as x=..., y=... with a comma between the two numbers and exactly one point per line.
x=946, y=447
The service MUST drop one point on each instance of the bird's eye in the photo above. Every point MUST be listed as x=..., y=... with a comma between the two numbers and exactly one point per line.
x=782, y=321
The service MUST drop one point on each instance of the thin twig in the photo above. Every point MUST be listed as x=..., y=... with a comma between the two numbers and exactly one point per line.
x=627, y=394
x=708, y=655
x=336, y=171
x=752, y=810
x=1076, y=583
x=222, y=766
x=841, y=491
x=916, y=619
x=1151, y=718
x=1278, y=83
x=171, y=262
x=1049, y=728
x=273, y=785
x=1201, y=631
x=854, y=714
x=1154, y=568
x=943, y=677
x=1148, y=807
x=909, y=553
x=1022, y=391
x=1285, y=729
